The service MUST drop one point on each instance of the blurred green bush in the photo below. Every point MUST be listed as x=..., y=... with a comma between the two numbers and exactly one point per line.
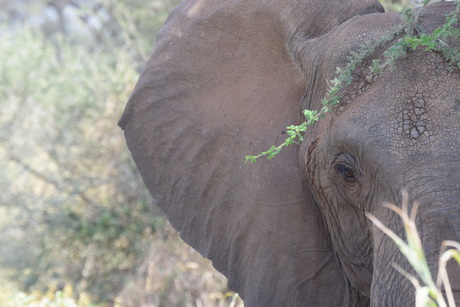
x=73, y=207
x=77, y=226
x=398, y=5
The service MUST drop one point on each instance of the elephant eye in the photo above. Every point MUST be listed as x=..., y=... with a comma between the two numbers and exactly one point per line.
x=346, y=172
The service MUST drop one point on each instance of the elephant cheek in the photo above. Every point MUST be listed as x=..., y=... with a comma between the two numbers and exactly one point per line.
x=389, y=287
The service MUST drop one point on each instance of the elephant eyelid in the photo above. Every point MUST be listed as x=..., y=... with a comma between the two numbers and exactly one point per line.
x=344, y=167
x=346, y=172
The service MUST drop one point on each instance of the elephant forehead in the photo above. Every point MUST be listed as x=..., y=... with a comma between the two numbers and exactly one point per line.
x=413, y=109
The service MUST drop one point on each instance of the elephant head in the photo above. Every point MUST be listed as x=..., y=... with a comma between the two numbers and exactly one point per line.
x=226, y=79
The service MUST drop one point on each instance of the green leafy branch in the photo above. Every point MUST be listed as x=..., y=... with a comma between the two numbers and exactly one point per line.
x=331, y=99
x=435, y=41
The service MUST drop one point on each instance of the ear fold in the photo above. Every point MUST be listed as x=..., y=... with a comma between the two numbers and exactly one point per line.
x=220, y=85
x=311, y=18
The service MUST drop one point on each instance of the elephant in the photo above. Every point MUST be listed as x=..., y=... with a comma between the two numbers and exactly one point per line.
x=225, y=80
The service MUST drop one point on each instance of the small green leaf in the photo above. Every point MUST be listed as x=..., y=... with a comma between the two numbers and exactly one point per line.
x=309, y=114
x=250, y=159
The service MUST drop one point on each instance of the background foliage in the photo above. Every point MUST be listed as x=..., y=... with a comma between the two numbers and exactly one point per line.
x=398, y=5
x=74, y=214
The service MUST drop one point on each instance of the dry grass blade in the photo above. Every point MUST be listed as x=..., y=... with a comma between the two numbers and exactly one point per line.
x=428, y=294
x=422, y=294
x=443, y=278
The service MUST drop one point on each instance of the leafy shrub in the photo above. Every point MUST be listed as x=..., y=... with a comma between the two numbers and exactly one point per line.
x=81, y=213
x=74, y=213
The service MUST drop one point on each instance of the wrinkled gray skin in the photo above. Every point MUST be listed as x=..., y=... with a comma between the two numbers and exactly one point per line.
x=225, y=80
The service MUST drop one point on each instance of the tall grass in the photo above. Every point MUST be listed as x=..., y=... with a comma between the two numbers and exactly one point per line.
x=428, y=292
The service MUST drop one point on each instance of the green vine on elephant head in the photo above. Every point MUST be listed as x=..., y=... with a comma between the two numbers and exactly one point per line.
x=412, y=38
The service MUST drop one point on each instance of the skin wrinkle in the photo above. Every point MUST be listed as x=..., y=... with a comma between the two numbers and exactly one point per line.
x=359, y=251
x=332, y=218
x=392, y=282
x=335, y=221
x=311, y=165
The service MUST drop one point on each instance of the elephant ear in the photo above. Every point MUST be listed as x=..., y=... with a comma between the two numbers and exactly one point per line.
x=220, y=85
